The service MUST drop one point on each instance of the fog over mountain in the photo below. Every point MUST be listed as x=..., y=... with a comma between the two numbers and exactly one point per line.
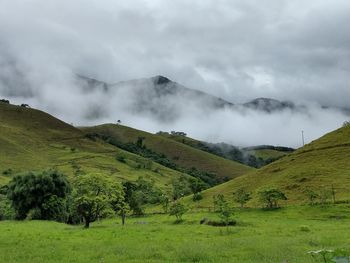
x=294, y=52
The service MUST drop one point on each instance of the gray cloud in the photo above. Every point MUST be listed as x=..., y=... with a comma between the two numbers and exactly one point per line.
x=237, y=50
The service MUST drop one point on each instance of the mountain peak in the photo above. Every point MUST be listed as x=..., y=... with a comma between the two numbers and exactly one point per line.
x=158, y=80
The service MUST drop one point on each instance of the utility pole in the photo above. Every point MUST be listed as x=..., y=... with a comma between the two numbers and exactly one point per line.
x=302, y=137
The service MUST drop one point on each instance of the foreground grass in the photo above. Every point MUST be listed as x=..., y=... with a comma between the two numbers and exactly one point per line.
x=285, y=235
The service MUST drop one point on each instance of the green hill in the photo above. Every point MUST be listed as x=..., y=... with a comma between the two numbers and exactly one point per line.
x=179, y=153
x=33, y=140
x=318, y=166
x=256, y=156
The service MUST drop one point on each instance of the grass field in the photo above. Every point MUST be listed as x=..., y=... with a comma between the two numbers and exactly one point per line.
x=284, y=235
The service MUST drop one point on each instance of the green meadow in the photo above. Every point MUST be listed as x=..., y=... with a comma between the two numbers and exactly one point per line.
x=283, y=235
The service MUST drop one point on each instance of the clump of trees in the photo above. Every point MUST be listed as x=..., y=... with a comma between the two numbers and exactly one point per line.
x=40, y=195
x=5, y=101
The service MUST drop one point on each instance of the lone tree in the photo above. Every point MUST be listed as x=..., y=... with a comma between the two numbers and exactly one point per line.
x=270, y=197
x=42, y=195
x=95, y=195
x=223, y=208
x=241, y=196
x=178, y=209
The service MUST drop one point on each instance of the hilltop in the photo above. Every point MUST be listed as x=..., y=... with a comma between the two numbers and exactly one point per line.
x=34, y=140
x=319, y=166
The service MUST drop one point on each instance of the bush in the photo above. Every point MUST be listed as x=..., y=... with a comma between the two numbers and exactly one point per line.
x=121, y=158
x=197, y=196
x=305, y=229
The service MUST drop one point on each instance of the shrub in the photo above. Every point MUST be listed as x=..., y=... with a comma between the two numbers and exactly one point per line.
x=121, y=158
x=197, y=196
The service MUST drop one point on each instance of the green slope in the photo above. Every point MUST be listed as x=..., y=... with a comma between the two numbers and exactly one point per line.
x=181, y=154
x=256, y=156
x=33, y=140
x=317, y=166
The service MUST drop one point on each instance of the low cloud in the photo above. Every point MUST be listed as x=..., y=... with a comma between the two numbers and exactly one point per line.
x=235, y=50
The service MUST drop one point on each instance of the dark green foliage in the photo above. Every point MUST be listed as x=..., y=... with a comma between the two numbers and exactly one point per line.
x=181, y=188
x=121, y=158
x=4, y=101
x=196, y=185
x=178, y=209
x=139, y=193
x=44, y=192
x=7, y=172
x=270, y=197
x=6, y=211
x=165, y=201
x=241, y=196
x=197, y=197
x=208, y=222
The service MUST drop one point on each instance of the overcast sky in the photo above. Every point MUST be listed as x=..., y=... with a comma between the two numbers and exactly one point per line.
x=238, y=50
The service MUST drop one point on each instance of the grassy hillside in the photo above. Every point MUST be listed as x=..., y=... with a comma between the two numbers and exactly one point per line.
x=181, y=154
x=33, y=140
x=317, y=166
x=256, y=157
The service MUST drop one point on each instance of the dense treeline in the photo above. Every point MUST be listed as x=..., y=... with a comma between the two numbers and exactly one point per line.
x=49, y=195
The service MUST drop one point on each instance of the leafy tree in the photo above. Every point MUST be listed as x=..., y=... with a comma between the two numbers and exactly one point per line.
x=95, y=195
x=165, y=201
x=141, y=192
x=241, y=196
x=180, y=188
x=178, y=209
x=196, y=185
x=223, y=208
x=270, y=197
x=45, y=192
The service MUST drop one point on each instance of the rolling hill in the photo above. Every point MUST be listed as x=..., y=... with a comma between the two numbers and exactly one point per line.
x=319, y=166
x=34, y=140
x=256, y=156
x=179, y=153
